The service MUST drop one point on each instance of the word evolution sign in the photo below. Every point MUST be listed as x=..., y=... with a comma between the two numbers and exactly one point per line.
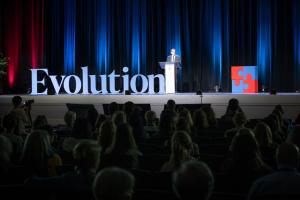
x=94, y=84
x=244, y=79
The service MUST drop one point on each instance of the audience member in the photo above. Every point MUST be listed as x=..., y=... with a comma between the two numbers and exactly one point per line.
x=246, y=157
x=151, y=124
x=167, y=124
x=239, y=121
x=38, y=156
x=113, y=184
x=81, y=131
x=40, y=122
x=193, y=180
x=171, y=105
x=264, y=139
x=9, y=125
x=69, y=119
x=294, y=137
x=284, y=183
x=211, y=116
x=107, y=136
x=119, y=117
x=200, y=121
x=22, y=114
x=181, y=151
x=125, y=152
x=112, y=108
x=75, y=184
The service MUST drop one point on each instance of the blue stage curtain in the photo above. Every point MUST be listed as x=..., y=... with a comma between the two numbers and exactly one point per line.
x=209, y=35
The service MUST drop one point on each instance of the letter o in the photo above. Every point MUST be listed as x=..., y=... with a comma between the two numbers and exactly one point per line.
x=77, y=84
x=144, y=83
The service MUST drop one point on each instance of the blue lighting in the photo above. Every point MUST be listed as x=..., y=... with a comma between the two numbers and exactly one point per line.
x=69, y=36
x=216, y=37
x=264, y=42
x=296, y=32
x=173, y=36
x=102, y=54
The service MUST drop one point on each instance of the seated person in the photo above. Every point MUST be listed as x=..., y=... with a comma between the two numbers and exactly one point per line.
x=113, y=184
x=283, y=183
x=78, y=182
x=181, y=150
x=193, y=180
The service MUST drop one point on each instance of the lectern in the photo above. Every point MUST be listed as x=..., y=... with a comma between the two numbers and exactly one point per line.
x=170, y=75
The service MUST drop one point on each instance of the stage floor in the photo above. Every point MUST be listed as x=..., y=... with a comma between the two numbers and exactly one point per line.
x=255, y=105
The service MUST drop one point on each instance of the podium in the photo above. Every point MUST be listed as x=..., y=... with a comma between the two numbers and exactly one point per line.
x=170, y=75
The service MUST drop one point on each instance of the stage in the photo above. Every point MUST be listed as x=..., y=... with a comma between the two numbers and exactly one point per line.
x=255, y=105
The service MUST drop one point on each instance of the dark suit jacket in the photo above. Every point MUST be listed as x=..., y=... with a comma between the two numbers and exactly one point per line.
x=177, y=58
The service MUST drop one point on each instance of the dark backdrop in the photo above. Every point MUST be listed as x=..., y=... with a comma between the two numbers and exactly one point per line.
x=210, y=36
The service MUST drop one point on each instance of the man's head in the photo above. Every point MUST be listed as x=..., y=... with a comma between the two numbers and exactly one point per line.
x=173, y=51
x=113, y=184
x=287, y=156
x=171, y=105
x=193, y=180
x=16, y=100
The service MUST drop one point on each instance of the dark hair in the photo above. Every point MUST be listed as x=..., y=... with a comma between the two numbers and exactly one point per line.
x=40, y=121
x=16, y=100
x=171, y=105
x=82, y=129
x=113, y=107
x=9, y=122
x=124, y=139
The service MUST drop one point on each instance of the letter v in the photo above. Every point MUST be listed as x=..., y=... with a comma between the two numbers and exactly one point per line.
x=55, y=83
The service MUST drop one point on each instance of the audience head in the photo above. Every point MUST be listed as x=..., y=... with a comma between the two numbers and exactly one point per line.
x=119, y=117
x=185, y=113
x=124, y=139
x=17, y=101
x=287, y=156
x=37, y=150
x=279, y=108
x=211, y=116
x=245, y=149
x=86, y=155
x=239, y=119
x=171, y=105
x=233, y=107
x=107, y=134
x=181, y=148
x=167, y=124
x=263, y=134
x=70, y=118
x=200, y=120
x=150, y=118
x=183, y=125
x=128, y=108
x=193, y=180
x=113, y=184
x=40, y=122
x=112, y=108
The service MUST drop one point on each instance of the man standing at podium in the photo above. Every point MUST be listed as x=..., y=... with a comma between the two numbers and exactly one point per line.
x=176, y=59
x=173, y=57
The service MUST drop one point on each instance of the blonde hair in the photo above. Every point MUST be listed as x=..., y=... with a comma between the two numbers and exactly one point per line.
x=107, y=135
x=181, y=146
